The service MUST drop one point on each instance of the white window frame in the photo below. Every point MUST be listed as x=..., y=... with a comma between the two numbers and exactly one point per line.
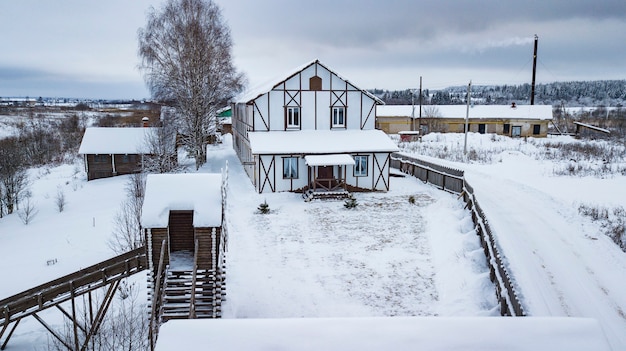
x=338, y=116
x=293, y=117
x=361, y=170
x=289, y=171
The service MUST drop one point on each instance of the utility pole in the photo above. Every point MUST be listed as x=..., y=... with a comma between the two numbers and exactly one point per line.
x=419, y=125
x=412, y=109
x=532, y=88
x=469, y=92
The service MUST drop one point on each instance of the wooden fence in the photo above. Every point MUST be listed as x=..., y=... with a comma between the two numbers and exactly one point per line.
x=453, y=180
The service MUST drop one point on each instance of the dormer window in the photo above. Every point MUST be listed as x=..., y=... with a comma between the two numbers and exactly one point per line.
x=292, y=117
x=338, y=114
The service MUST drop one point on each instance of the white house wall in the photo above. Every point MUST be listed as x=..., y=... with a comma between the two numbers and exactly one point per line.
x=269, y=173
x=315, y=106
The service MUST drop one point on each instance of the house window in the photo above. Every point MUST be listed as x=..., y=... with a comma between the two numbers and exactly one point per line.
x=506, y=129
x=290, y=167
x=360, y=166
x=516, y=131
x=481, y=128
x=536, y=129
x=128, y=158
x=100, y=159
x=293, y=117
x=339, y=116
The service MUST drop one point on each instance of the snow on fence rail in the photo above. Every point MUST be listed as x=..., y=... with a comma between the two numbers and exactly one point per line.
x=453, y=180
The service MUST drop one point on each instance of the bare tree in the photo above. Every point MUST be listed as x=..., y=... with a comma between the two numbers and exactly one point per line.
x=185, y=52
x=59, y=199
x=13, y=173
x=161, y=155
x=127, y=222
x=28, y=211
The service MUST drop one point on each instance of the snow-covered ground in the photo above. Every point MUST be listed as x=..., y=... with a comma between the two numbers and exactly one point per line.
x=561, y=263
x=386, y=257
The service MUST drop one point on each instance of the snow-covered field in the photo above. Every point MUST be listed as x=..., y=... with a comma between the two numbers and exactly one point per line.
x=387, y=257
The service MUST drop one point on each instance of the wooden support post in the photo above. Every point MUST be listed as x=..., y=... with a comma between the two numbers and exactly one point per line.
x=69, y=316
x=4, y=345
x=108, y=298
x=74, y=315
x=56, y=336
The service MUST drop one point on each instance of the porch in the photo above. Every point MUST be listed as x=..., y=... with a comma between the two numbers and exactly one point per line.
x=327, y=176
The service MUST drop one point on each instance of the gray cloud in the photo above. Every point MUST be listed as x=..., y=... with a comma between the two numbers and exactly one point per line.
x=385, y=44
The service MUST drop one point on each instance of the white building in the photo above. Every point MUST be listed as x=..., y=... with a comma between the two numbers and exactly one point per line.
x=311, y=130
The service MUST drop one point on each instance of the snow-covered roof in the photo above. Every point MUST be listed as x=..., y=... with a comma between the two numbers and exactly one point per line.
x=539, y=112
x=329, y=160
x=199, y=192
x=267, y=86
x=115, y=140
x=384, y=333
x=320, y=142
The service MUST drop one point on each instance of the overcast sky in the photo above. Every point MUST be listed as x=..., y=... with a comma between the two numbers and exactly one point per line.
x=88, y=49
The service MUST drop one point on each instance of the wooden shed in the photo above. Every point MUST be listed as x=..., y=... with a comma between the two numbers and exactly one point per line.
x=114, y=151
x=182, y=209
x=183, y=222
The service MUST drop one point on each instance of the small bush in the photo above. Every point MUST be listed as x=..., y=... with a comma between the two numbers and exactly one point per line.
x=263, y=208
x=412, y=200
x=350, y=202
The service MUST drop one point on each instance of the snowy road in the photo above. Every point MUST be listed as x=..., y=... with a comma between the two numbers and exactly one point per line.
x=562, y=265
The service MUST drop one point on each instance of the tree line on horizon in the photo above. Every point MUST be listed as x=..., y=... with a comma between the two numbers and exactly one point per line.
x=607, y=93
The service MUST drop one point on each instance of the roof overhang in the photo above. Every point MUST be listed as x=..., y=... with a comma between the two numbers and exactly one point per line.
x=329, y=160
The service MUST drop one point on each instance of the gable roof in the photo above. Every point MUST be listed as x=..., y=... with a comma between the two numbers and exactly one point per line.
x=97, y=140
x=537, y=112
x=200, y=192
x=267, y=86
x=320, y=142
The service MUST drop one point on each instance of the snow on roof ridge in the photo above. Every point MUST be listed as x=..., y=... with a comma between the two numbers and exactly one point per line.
x=271, y=83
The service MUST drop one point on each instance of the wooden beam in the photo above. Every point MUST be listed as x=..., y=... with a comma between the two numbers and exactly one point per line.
x=4, y=345
x=108, y=298
x=56, y=336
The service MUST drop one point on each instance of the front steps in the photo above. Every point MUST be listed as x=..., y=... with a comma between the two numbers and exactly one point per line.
x=177, y=295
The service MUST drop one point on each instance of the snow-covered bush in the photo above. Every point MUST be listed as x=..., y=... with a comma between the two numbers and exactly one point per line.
x=263, y=208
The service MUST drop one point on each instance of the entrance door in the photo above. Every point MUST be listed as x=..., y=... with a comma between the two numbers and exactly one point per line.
x=181, y=231
x=325, y=177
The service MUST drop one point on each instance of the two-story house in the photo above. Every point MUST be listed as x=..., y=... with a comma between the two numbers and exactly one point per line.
x=312, y=130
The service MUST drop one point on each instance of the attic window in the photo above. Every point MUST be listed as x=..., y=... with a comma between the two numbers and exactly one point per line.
x=315, y=83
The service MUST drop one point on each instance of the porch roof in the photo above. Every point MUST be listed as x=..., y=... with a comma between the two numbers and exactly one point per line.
x=329, y=160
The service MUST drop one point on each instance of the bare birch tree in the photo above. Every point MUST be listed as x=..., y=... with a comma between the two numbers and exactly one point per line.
x=185, y=51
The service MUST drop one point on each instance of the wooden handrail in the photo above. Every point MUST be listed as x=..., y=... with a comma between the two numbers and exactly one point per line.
x=80, y=282
x=156, y=297
x=192, y=304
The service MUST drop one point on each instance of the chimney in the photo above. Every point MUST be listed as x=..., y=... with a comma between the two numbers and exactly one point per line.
x=144, y=121
x=512, y=105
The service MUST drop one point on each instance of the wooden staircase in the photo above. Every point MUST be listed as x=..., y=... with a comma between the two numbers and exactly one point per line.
x=183, y=298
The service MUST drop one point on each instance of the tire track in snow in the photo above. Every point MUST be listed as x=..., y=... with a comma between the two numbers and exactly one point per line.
x=557, y=268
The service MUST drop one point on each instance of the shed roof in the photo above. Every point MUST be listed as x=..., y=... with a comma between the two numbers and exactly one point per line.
x=392, y=333
x=537, y=112
x=200, y=192
x=320, y=142
x=97, y=140
x=267, y=86
x=329, y=160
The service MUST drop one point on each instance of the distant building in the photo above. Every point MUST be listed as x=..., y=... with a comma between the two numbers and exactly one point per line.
x=114, y=151
x=511, y=120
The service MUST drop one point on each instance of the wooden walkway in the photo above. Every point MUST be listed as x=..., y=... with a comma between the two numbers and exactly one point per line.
x=52, y=294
